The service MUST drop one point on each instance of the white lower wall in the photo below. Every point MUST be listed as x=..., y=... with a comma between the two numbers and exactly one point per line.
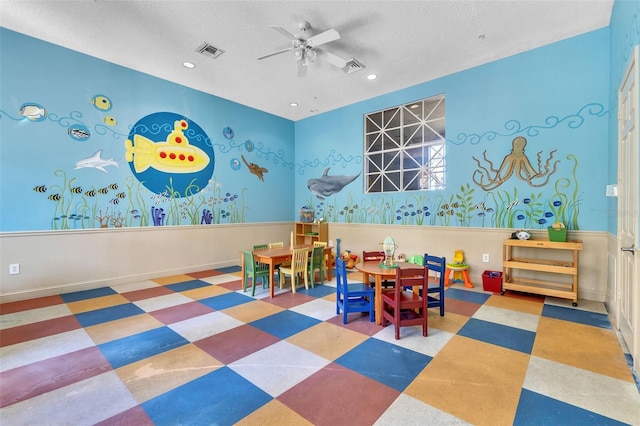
x=55, y=262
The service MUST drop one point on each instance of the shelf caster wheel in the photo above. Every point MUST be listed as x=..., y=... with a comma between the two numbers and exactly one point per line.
x=574, y=304
x=501, y=292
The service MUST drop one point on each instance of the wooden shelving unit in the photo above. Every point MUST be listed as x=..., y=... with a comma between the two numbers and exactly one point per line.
x=551, y=264
x=307, y=233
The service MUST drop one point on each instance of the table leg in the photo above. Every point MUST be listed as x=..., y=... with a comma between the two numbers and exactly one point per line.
x=271, y=283
x=378, y=297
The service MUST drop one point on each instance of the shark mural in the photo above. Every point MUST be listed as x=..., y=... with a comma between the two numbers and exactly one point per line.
x=326, y=185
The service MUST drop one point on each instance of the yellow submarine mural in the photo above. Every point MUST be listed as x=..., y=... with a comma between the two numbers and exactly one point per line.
x=174, y=155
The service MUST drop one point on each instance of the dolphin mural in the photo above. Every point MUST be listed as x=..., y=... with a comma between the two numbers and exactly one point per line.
x=329, y=185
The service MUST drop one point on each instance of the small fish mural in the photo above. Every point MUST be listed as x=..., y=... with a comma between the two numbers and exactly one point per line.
x=255, y=169
x=33, y=112
x=103, y=191
x=101, y=102
x=54, y=197
x=90, y=193
x=79, y=133
x=40, y=188
x=113, y=186
x=513, y=204
x=96, y=162
x=174, y=155
x=76, y=190
x=110, y=121
x=326, y=185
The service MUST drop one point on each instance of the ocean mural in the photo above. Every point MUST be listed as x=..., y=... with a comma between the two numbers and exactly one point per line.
x=128, y=149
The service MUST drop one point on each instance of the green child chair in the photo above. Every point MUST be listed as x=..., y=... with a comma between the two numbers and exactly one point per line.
x=254, y=271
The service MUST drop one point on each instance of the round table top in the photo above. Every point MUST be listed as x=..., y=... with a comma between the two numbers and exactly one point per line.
x=374, y=267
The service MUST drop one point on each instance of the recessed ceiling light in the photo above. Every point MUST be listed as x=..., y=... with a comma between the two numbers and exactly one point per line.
x=293, y=104
x=372, y=76
x=188, y=64
x=414, y=106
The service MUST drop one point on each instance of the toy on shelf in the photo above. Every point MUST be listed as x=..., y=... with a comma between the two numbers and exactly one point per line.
x=458, y=267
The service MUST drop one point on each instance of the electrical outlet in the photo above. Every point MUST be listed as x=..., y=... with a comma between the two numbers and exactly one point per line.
x=485, y=257
x=14, y=268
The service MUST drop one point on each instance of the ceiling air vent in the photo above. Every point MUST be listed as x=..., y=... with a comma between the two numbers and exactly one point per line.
x=209, y=50
x=353, y=65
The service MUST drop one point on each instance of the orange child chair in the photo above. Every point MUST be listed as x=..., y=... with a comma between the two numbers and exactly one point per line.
x=458, y=267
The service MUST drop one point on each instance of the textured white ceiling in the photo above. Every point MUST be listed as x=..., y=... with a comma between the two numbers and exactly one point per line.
x=404, y=42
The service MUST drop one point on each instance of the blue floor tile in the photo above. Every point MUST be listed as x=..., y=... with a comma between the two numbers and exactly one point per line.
x=187, y=285
x=230, y=269
x=108, y=314
x=500, y=335
x=466, y=296
x=285, y=323
x=583, y=317
x=227, y=300
x=535, y=409
x=319, y=290
x=87, y=294
x=140, y=346
x=384, y=362
x=221, y=397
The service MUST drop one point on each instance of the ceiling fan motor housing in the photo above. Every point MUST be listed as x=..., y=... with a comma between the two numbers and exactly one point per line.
x=304, y=26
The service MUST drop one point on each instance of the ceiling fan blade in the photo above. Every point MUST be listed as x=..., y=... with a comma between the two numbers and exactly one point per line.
x=335, y=60
x=284, y=32
x=275, y=53
x=302, y=68
x=324, y=37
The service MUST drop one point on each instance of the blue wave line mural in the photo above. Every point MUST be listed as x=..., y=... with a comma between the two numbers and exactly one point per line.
x=514, y=127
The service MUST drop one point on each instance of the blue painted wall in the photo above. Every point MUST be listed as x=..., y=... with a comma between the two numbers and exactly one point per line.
x=42, y=189
x=558, y=97
x=555, y=96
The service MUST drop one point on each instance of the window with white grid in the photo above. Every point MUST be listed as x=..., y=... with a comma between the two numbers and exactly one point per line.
x=404, y=147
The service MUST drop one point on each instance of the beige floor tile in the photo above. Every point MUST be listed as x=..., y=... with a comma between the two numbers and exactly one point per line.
x=158, y=374
x=327, y=340
x=205, y=292
x=449, y=322
x=173, y=279
x=112, y=330
x=252, y=311
x=475, y=381
x=274, y=413
x=96, y=303
x=599, y=349
x=520, y=305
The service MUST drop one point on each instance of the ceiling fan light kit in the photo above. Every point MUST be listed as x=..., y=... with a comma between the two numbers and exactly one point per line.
x=307, y=49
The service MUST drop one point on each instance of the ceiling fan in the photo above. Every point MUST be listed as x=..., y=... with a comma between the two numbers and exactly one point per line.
x=306, y=49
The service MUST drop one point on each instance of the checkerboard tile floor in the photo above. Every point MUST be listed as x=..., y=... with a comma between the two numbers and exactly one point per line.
x=195, y=349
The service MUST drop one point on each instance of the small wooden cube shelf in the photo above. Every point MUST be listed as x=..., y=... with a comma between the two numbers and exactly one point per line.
x=548, y=266
x=308, y=233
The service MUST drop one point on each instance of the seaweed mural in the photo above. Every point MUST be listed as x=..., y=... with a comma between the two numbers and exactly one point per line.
x=111, y=207
x=500, y=208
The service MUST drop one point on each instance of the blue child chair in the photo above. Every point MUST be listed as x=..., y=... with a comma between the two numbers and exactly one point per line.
x=436, y=283
x=352, y=297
